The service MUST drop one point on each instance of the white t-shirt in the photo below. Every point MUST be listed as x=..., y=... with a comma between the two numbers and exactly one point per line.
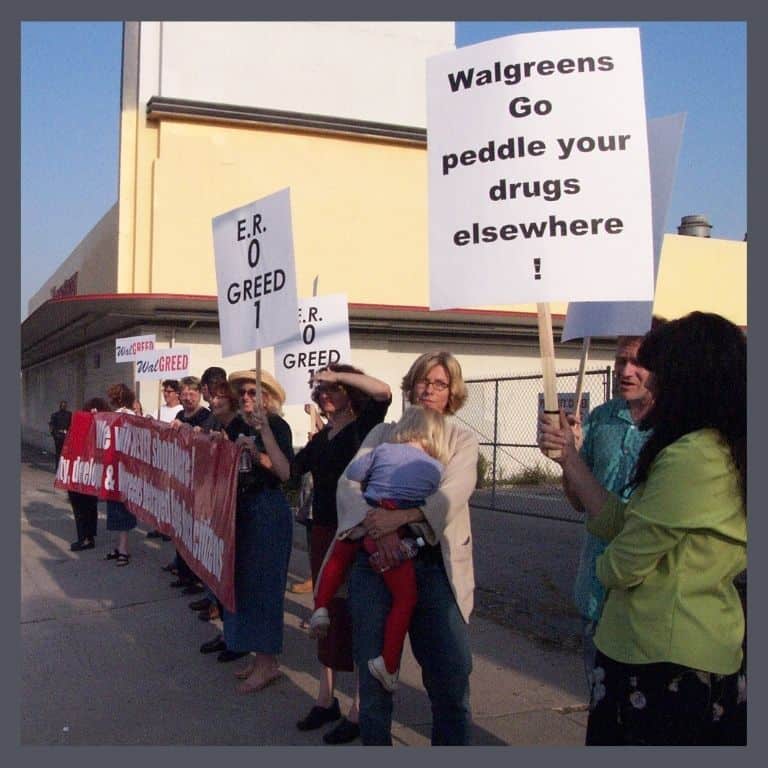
x=167, y=413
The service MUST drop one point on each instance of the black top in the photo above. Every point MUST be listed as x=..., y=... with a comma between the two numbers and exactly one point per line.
x=60, y=421
x=259, y=478
x=327, y=459
x=202, y=418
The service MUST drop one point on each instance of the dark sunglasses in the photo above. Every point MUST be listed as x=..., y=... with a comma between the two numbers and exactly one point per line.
x=250, y=392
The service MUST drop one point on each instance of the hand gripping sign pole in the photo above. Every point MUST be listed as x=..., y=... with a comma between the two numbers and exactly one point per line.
x=580, y=380
x=547, y=351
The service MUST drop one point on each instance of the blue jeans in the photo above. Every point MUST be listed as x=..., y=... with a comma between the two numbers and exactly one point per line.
x=440, y=643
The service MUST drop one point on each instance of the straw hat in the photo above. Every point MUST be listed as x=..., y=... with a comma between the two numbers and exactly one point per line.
x=268, y=381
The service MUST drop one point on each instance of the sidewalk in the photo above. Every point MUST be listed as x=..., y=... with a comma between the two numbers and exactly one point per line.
x=110, y=656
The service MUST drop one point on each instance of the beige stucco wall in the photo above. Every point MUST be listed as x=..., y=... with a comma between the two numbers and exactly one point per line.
x=94, y=260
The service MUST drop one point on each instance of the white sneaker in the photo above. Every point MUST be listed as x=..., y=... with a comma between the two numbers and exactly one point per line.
x=319, y=623
x=378, y=669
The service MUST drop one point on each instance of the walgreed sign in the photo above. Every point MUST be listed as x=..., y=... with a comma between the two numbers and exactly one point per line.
x=177, y=481
x=158, y=363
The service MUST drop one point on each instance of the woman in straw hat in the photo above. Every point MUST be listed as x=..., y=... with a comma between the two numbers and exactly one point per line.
x=263, y=528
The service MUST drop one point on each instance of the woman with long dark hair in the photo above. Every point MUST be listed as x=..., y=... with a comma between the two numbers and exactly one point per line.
x=670, y=637
x=353, y=403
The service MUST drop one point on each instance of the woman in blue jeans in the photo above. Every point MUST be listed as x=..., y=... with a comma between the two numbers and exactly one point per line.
x=444, y=573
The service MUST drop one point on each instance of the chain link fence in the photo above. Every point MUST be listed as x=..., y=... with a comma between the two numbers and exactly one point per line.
x=513, y=475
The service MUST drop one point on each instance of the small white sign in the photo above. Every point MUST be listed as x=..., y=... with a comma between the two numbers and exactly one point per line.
x=324, y=339
x=539, y=186
x=172, y=363
x=256, y=275
x=633, y=318
x=132, y=347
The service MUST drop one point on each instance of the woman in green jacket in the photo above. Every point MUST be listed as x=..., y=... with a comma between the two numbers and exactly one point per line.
x=670, y=637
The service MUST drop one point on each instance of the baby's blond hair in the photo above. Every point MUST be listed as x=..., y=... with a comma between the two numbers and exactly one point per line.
x=424, y=426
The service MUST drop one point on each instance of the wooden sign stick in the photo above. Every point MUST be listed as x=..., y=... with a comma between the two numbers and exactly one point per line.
x=258, y=377
x=580, y=380
x=547, y=351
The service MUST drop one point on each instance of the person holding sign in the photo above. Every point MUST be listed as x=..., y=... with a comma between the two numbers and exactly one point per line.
x=85, y=505
x=398, y=474
x=353, y=404
x=444, y=571
x=119, y=519
x=669, y=640
x=611, y=444
x=263, y=528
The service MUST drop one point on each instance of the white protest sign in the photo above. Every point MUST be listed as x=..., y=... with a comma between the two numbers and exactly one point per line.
x=539, y=186
x=171, y=363
x=256, y=275
x=633, y=318
x=131, y=347
x=324, y=339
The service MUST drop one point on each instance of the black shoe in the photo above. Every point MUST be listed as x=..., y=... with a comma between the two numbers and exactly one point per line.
x=180, y=583
x=342, y=733
x=164, y=537
x=192, y=589
x=113, y=555
x=214, y=646
x=154, y=534
x=78, y=546
x=200, y=605
x=319, y=716
x=227, y=655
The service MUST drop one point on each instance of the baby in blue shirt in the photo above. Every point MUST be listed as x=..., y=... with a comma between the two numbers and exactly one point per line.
x=398, y=474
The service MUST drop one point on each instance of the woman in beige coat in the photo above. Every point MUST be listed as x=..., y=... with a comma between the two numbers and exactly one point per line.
x=444, y=572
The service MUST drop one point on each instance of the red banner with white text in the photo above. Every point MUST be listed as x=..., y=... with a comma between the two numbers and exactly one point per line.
x=181, y=482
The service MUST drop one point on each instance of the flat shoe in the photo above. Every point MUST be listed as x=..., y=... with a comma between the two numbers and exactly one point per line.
x=319, y=716
x=214, y=646
x=342, y=733
x=79, y=546
x=123, y=559
x=200, y=605
x=112, y=555
x=259, y=685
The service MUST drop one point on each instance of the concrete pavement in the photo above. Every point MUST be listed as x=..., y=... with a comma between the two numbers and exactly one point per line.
x=110, y=655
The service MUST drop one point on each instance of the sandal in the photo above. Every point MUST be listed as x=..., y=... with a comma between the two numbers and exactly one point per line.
x=123, y=558
x=113, y=555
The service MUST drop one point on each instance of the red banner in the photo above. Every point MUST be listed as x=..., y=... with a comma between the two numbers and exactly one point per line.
x=181, y=482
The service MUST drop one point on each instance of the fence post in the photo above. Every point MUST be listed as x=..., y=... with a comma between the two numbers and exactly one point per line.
x=495, y=439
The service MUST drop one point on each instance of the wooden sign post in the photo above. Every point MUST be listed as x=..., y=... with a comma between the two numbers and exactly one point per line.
x=547, y=352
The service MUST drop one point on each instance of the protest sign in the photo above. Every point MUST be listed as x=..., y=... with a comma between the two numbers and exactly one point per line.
x=177, y=481
x=538, y=170
x=633, y=318
x=132, y=347
x=324, y=339
x=256, y=275
x=170, y=363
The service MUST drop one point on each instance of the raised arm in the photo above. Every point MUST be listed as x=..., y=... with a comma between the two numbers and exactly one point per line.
x=375, y=388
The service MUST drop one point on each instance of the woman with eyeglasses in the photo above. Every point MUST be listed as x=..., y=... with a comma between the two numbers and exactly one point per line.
x=444, y=572
x=263, y=529
x=353, y=404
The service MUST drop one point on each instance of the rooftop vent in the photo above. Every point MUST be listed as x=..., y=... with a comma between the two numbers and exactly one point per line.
x=694, y=226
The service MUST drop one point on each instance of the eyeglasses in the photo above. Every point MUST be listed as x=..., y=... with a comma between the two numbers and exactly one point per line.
x=250, y=392
x=329, y=388
x=437, y=385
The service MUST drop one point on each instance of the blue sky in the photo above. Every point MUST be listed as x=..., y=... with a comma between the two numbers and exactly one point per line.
x=70, y=103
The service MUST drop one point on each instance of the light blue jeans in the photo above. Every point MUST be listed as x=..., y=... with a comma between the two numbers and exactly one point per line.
x=440, y=643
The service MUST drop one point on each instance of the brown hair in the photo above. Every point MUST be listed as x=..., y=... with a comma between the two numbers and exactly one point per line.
x=189, y=381
x=222, y=389
x=357, y=398
x=421, y=366
x=120, y=396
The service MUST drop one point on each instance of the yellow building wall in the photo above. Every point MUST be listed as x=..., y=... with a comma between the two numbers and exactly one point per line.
x=359, y=211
